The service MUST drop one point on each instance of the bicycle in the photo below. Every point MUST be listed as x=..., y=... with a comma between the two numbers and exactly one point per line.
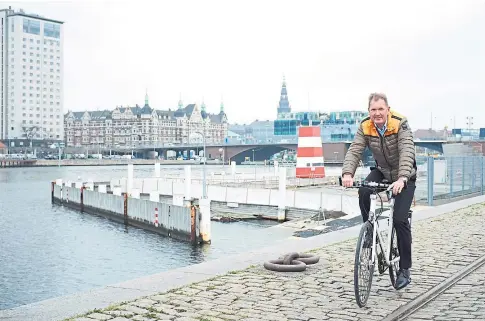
x=387, y=259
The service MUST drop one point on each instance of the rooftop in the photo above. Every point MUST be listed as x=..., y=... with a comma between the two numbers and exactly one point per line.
x=21, y=12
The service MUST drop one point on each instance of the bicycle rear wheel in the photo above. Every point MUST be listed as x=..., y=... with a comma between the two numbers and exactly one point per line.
x=363, y=267
x=394, y=253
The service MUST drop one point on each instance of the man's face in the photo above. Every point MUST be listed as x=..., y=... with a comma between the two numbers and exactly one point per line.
x=378, y=111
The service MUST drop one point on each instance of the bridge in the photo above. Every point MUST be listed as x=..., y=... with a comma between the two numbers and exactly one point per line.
x=259, y=152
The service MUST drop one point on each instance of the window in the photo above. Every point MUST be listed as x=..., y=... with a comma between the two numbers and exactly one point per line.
x=32, y=26
x=52, y=30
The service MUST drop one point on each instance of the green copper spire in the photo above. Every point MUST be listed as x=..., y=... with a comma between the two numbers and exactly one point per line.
x=146, y=98
x=202, y=107
x=180, y=102
x=222, y=107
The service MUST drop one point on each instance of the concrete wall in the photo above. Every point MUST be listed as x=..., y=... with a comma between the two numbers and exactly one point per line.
x=181, y=222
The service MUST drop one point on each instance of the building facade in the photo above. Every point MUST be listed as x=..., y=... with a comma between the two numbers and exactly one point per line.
x=144, y=126
x=32, y=66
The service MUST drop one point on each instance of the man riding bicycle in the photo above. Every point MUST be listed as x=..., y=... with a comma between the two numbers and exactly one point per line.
x=390, y=140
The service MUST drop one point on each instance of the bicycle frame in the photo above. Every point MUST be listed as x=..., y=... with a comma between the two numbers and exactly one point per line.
x=374, y=221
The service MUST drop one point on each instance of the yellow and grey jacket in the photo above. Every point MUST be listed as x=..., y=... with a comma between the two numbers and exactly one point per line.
x=394, y=152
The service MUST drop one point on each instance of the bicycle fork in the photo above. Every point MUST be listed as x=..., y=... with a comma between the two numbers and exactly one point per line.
x=373, y=199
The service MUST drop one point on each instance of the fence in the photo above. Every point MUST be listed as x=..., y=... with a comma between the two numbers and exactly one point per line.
x=180, y=222
x=442, y=179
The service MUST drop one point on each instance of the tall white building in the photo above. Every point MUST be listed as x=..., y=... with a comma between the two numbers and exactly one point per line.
x=32, y=66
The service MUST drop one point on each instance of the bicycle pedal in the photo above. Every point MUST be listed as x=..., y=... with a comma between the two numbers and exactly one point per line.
x=381, y=265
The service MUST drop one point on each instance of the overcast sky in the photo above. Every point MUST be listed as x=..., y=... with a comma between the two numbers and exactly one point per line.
x=428, y=56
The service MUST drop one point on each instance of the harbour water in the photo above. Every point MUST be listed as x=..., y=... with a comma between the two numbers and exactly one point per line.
x=48, y=250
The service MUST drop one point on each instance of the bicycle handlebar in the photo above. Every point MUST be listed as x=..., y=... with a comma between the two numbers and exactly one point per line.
x=374, y=185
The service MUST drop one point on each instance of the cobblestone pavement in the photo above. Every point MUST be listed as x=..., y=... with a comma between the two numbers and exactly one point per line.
x=441, y=247
x=464, y=301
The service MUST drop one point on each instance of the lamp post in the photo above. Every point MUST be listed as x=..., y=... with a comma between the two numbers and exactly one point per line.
x=204, y=185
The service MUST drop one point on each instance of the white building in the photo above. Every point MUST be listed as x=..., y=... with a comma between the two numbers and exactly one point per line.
x=32, y=66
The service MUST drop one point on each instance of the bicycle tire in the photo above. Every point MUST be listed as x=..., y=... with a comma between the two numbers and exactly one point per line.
x=393, y=253
x=361, y=298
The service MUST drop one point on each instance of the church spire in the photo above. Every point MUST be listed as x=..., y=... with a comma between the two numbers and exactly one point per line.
x=146, y=97
x=284, y=104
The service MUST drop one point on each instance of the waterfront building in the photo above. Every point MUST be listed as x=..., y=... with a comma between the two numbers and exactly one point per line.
x=335, y=125
x=31, y=90
x=145, y=126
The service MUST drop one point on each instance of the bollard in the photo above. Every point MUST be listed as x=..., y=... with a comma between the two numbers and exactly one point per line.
x=233, y=169
x=205, y=220
x=276, y=168
x=156, y=216
x=157, y=170
x=282, y=195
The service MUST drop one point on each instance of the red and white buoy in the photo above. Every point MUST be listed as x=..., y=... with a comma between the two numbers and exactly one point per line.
x=309, y=156
x=156, y=216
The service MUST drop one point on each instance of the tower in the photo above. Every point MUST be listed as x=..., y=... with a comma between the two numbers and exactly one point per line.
x=32, y=72
x=284, y=104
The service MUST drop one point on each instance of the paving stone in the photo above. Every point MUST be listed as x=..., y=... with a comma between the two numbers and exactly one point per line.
x=325, y=291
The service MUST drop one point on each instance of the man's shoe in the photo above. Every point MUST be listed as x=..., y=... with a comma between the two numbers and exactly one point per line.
x=403, y=278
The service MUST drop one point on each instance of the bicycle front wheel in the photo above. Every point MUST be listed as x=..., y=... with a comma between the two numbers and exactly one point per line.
x=393, y=254
x=363, y=267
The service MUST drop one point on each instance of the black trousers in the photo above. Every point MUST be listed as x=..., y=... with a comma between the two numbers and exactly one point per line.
x=402, y=205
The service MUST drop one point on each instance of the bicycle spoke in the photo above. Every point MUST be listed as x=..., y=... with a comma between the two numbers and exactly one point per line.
x=363, y=268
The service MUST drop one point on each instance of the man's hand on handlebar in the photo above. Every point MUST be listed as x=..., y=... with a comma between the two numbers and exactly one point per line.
x=398, y=186
x=347, y=180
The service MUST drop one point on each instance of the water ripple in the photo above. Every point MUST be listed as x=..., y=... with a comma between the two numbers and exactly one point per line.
x=48, y=250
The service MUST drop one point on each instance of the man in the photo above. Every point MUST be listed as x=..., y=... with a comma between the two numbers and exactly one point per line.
x=390, y=139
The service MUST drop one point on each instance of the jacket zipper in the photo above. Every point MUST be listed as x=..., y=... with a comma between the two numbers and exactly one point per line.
x=385, y=157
